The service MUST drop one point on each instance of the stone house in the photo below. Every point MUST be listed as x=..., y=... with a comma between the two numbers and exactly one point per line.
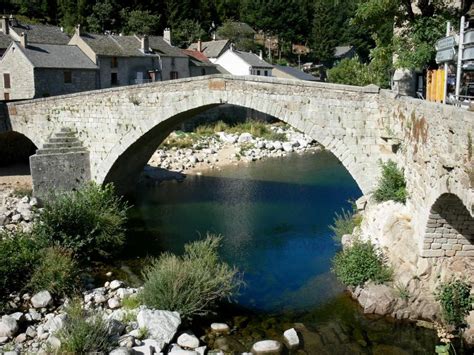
x=39, y=70
x=212, y=49
x=199, y=64
x=244, y=63
x=11, y=30
x=287, y=72
x=127, y=60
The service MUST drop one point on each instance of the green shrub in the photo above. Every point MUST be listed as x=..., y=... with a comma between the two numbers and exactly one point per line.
x=82, y=334
x=19, y=253
x=392, y=185
x=359, y=263
x=90, y=222
x=345, y=223
x=455, y=299
x=56, y=272
x=130, y=302
x=190, y=284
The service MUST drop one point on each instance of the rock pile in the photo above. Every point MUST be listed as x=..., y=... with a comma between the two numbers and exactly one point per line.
x=18, y=213
x=33, y=326
x=205, y=152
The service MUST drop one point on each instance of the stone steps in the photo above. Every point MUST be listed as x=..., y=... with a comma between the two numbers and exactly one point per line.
x=60, y=150
x=58, y=145
x=62, y=142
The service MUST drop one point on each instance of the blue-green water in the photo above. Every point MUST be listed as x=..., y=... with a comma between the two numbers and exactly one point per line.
x=274, y=218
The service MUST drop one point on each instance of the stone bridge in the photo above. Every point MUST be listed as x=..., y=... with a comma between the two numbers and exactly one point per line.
x=118, y=129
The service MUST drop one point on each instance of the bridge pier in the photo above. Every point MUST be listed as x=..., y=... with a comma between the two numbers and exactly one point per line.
x=63, y=164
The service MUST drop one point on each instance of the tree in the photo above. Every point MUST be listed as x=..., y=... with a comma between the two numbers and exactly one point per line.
x=325, y=30
x=139, y=22
x=187, y=32
x=104, y=17
x=242, y=37
x=418, y=31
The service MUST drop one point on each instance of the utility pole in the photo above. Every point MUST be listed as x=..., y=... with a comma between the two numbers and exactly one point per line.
x=448, y=30
x=460, y=54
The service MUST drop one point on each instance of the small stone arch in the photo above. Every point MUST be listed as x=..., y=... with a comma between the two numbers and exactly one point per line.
x=15, y=147
x=449, y=230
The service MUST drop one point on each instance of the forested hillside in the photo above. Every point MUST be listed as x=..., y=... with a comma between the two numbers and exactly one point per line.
x=320, y=24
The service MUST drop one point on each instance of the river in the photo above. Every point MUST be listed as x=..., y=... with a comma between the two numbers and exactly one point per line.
x=274, y=217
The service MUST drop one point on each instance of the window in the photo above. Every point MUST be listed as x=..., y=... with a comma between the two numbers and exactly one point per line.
x=6, y=81
x=203, y=71
x=258, y=72
x=114, y=79
x=173, y=75
x=114, y=62
x=67, y=77
x=266, y=72
x=6, y=96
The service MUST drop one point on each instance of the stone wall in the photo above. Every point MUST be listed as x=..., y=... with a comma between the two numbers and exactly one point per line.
x=50, y=82
x=122, y=127
x=450, y=229
x=21, y=75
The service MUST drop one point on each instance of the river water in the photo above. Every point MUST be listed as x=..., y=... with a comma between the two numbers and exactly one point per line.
x=273, y=216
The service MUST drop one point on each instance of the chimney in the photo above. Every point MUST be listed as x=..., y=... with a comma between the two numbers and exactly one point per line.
x=5, y=25
x=260, y=55
x=77, y=30
x=145, y=44
x=167, y=36
x=24, y=40
x=199, y=45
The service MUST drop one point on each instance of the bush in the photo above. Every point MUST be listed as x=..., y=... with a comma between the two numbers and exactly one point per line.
x=360, y=263
x=392, y=185
x=56, y=272
x=89, y=222
x=19, y=253
x=190, y=284
x=345, y=223
x=82, y=334
x=455, y=299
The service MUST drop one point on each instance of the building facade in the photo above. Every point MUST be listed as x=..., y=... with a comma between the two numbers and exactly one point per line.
x=244, y=63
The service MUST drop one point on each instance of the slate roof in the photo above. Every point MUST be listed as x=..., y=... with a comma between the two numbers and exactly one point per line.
x=42, y=33
x=341, y=51
x=296, y=73
x=128, y=46
x=5, y=40
x=57, y=56
x=212, y=49
x=253, y=59
x=159, y=45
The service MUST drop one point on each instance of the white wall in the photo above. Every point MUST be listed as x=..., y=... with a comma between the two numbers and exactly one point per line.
x=233, y=63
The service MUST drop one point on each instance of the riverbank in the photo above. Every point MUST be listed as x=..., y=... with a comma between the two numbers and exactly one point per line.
x=411, y=294
x=195, y=153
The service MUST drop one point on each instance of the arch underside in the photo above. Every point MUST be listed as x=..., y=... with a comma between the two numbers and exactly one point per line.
x=127, y=167
x=450, y=229
x=15, y=147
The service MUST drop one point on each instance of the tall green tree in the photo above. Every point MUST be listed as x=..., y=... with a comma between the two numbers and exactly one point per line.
x=139, y=22
x=104, y=17
x=325, y=31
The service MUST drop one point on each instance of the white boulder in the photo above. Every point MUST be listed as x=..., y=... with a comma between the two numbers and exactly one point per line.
x=189, y=341
x=41, y=299
x=291, y=338
x=160, y=325
x=8, y=326
x=267, y=347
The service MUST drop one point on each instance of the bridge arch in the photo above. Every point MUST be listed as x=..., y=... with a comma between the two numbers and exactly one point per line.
x=15, y=147
x=126, y=160
x=450, y=228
